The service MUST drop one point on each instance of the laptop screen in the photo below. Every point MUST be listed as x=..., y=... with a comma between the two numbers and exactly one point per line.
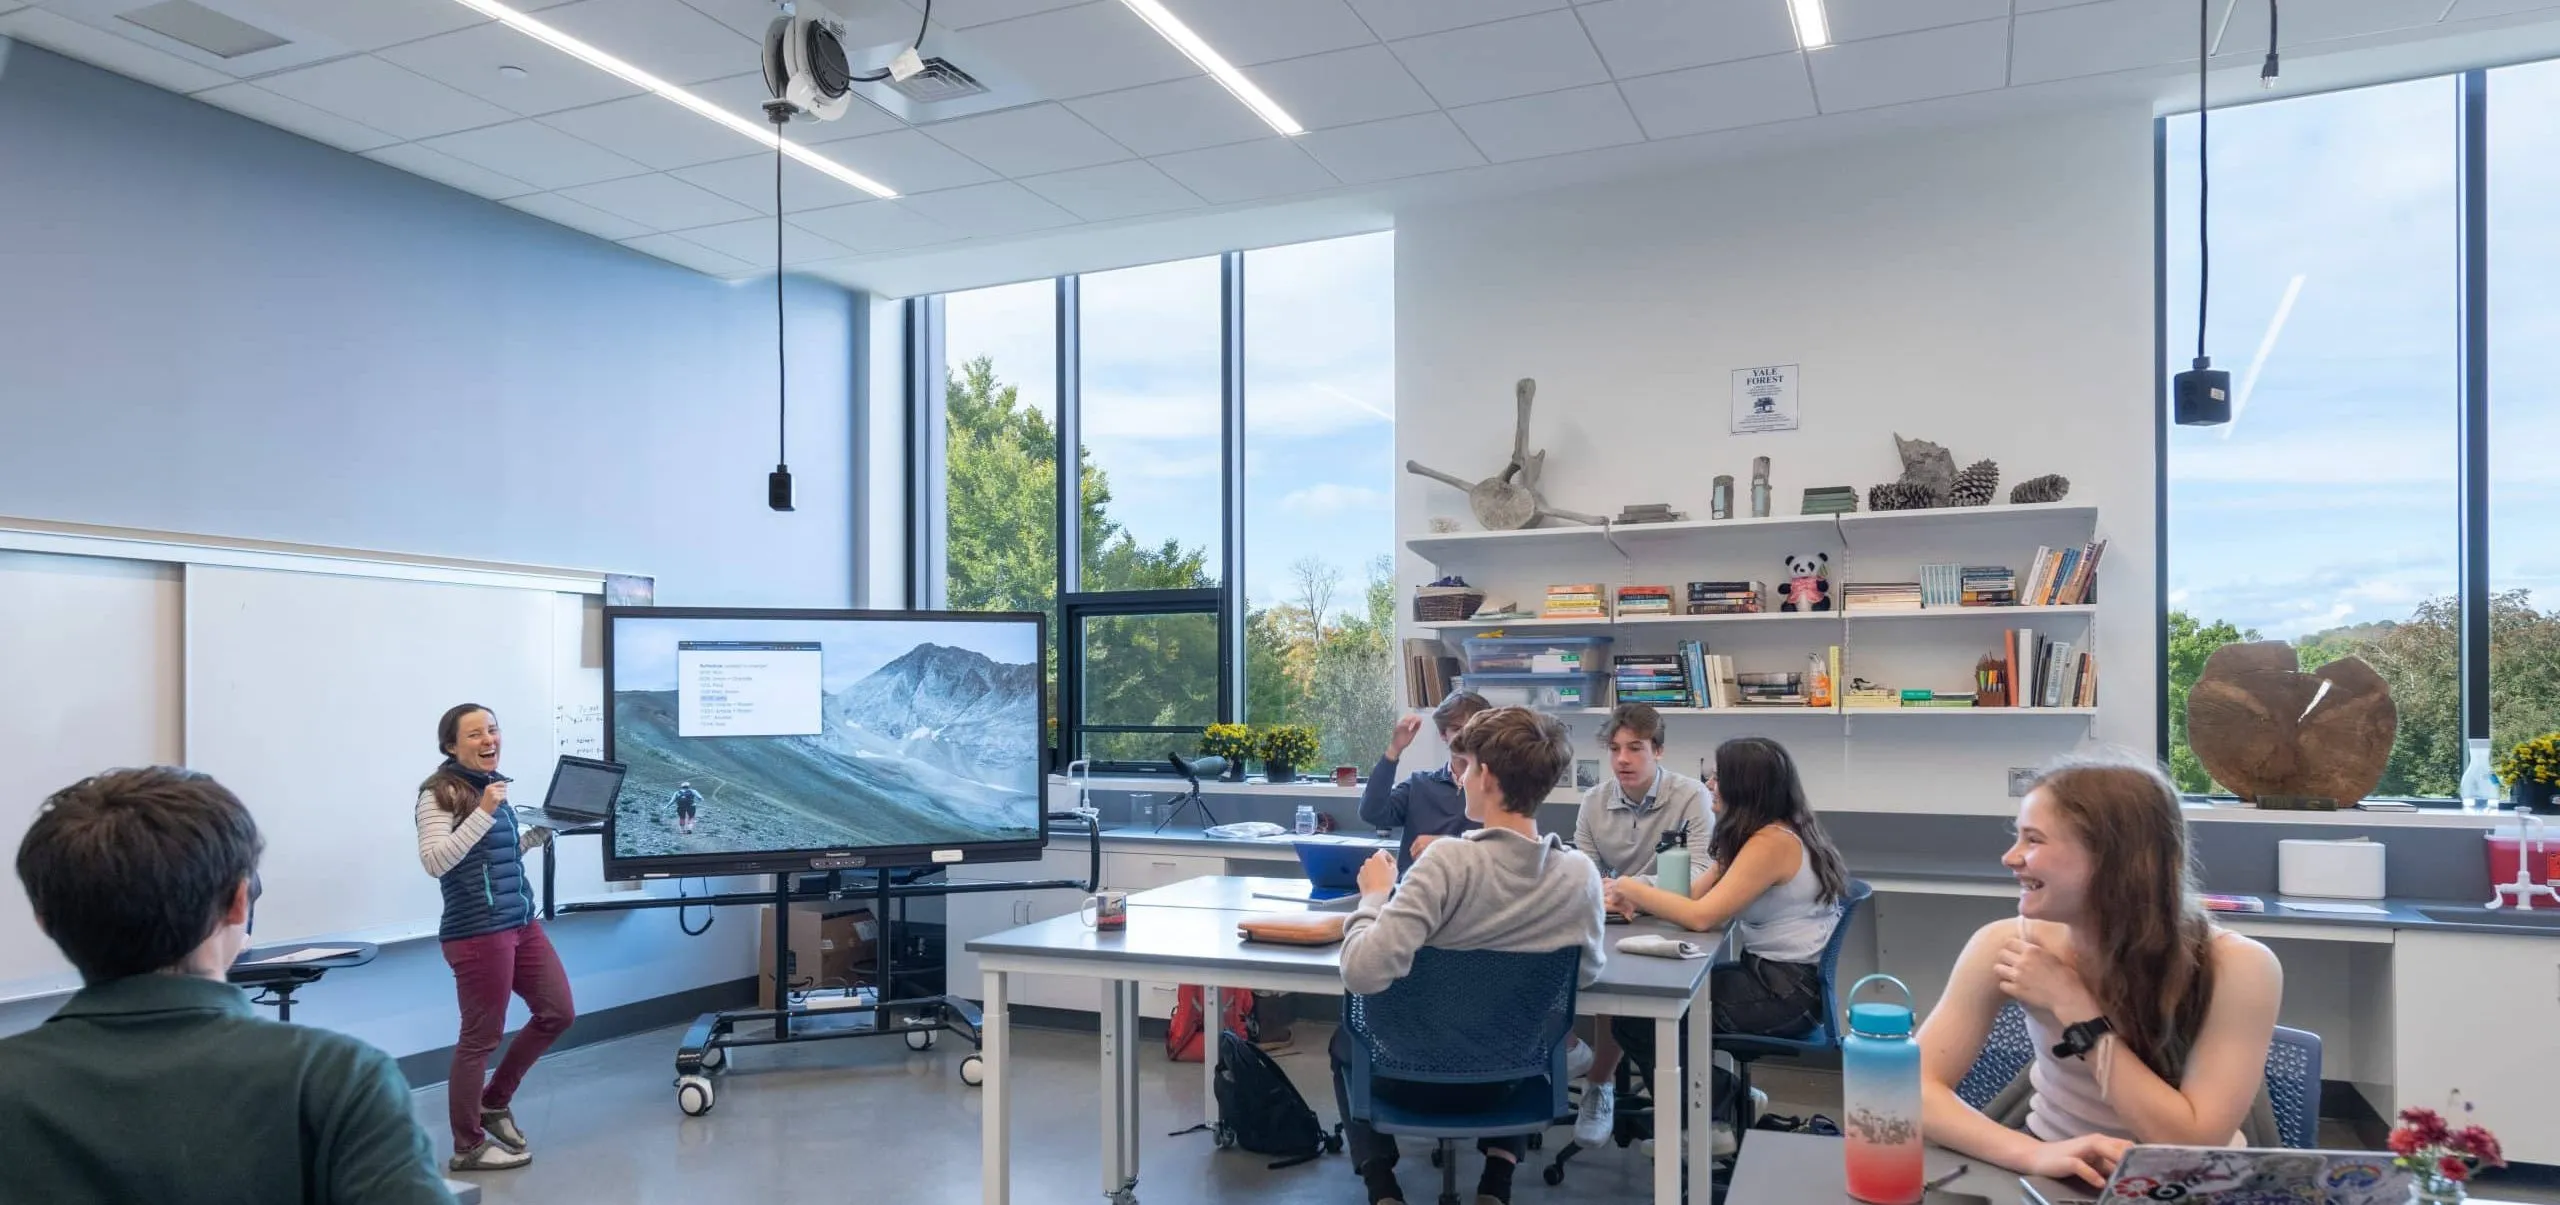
x=583, y=788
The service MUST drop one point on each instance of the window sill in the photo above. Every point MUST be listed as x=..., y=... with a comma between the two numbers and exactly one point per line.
x=2424, y=817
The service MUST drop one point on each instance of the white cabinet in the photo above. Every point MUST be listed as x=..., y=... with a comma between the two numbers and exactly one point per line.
x=2480, y=1014
x=1140, y=871
x=978, y=914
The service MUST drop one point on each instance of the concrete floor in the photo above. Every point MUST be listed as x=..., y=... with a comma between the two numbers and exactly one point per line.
x=869, y=1121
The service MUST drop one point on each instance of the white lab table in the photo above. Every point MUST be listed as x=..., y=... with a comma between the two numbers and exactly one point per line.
x=1181, y=937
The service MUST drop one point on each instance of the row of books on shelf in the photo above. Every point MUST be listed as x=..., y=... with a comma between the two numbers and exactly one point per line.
x=2065, y=577
x=2030, y=670
x=2056, y=674
x=1694, y=677
x=1586, y=600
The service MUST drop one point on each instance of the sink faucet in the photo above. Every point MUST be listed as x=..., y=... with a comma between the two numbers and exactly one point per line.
x=2529, y=844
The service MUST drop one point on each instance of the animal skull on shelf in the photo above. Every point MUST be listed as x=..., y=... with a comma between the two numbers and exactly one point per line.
x=1510, y=500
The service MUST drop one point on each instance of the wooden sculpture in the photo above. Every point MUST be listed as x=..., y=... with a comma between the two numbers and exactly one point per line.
x=1510, y=500
x=2263, y=727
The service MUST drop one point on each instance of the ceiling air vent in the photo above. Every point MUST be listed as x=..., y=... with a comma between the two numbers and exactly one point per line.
x=941, y=80
x=214, y=33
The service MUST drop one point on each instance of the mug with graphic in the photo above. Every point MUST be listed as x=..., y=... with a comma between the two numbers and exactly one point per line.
x=1106, y=910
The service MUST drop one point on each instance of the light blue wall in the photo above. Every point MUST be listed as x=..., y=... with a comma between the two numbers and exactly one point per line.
x=208, y=325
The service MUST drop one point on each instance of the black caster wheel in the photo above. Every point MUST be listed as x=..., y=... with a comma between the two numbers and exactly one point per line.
x=1554, y=1174
x=1537, y=1142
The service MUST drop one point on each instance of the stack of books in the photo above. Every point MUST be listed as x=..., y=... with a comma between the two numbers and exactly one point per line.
x=1643, y=600
x=1988, y=586
x=1576, y=601
x=2064, y=577
x=1661, y=679
x=2034, y=671
x=1941, y=585
x=1871, y=697
x=1429, y=668
x=1769, y=690
x=1936, y=698
x=1881, y=596
x=1727, y=598
x=1830, y=500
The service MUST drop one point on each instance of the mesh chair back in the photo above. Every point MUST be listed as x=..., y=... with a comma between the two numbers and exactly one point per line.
x=1829, y=1033
x=2293, y=1086
x=1468, y=1016
x=2006, y=1051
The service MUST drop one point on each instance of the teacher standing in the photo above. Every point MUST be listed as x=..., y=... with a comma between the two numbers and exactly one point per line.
x=469, y=840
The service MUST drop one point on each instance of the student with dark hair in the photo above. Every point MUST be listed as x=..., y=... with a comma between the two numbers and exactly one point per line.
x=469, y=840
x=2151, y=1023
x=1429, y=804
x=157, y=1081
x=1501, y=886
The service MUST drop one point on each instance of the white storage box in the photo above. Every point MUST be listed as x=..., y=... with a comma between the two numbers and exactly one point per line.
x=2333, y=870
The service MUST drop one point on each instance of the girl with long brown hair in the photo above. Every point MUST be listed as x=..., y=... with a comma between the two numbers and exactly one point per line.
x=2150, y=1024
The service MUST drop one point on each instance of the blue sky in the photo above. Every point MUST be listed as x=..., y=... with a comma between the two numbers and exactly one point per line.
x=1319, y=390
x=2330, y=499
x=644, y=650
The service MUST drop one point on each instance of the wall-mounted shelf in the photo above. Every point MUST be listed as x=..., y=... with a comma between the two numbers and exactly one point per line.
x=1790, y=712
x=1977, y=713
x=1631, y=621
x=1972, y=612
x=1654, y=537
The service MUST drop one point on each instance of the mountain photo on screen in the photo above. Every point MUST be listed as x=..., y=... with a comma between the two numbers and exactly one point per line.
x=752, y=736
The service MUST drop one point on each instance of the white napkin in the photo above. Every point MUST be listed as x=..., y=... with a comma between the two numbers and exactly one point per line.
x=1659, y=946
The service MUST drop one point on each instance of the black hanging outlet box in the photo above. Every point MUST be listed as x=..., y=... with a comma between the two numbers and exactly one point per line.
x=777, y=488
x=2201, y=396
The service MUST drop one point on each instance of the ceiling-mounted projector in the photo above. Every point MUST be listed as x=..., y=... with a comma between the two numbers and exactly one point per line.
x=804, y=62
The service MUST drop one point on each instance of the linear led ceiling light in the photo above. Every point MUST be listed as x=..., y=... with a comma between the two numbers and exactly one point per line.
x=1813, y=29
x=1173, y=30
x=619, y=69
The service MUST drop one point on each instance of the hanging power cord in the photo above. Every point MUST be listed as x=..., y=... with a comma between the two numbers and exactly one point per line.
x=2267, y=73
x=708, y=915
x=874, y=77
x=2204, y=180
x=778, y=484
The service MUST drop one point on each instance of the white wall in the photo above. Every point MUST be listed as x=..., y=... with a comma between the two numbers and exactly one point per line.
x=1989, y=289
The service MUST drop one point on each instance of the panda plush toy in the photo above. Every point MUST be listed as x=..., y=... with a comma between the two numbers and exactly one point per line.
x=1805, y=589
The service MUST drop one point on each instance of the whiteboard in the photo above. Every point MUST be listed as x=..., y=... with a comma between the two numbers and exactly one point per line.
x=89, y=668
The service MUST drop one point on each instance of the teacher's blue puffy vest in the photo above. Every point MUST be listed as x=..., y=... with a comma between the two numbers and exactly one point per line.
x=486, y=892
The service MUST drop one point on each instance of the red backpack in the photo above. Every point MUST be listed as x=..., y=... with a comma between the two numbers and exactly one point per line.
x=1183, y=1036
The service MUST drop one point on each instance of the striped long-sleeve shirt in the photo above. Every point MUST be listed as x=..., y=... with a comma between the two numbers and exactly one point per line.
x=442, y=841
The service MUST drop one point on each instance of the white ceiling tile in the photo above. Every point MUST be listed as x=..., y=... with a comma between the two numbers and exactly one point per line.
x=690, y=254
x=1245, y=32
x=1072, y=52
x=744, y=96
x=445, y=169
x=470, y=59
x=1343, y=88
x=867, y=22
x=1183, y=115
x=988, y=210
x=1551, y=123
x=752, y=241
x=251, y=101
x=2327, y=21
x=1385, y=150
x=536, y=154
x=586, y=219
x=368, y=24
x=907, y=161
x=388, y=98
x=2092, y=39
x=1510, y=58
x=98, y=48
x=1912, y=66
x=875, y=226
x=659, y=202
x=665, y=38
x=1028, y=141
x=10, y=6
x=1113, y=191
x=1724, y=96
x=2037, y=6
x=749, y=182
x=1641, y=37
x=961, y=14
x=653, y=130
x=1852, y=20
x=2473, y=10
x=1405, y=18
x=1246, y=171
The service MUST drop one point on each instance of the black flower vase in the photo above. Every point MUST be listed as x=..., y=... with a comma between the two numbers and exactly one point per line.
x=1235, y=770
x=1279, y=771
x=2533, y=796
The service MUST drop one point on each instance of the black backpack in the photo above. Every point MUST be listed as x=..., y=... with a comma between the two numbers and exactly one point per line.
x=1261, y=1111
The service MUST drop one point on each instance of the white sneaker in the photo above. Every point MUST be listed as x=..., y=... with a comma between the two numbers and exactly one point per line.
x=489, y=1157
x=1725, y=1142
x=1578, y=1058
x=1598, y=1117
x=1759, y=1105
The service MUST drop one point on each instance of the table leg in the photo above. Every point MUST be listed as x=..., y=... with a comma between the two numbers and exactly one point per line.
x=1701, y=1072
x=995, y=1153
x=1120, y=1090
x=1212, y=1023
x=1667, y=1121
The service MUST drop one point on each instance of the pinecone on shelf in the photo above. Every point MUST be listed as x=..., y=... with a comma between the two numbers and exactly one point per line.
x=2051, y=487
x=1899, y=495
x=1975, y=485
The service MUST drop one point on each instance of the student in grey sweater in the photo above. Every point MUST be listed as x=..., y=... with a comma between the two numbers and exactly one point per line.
x=1429, y=805
x=1500, y=887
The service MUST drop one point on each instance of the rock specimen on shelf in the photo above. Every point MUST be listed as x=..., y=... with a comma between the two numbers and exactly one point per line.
x=2049, y=488
x=1899, y=495
x=1510, y=500
x=2263, y=727
x=1928, y=466
x=1975, y=485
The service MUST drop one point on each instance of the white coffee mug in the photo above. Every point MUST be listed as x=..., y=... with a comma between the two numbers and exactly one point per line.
x=1106, y=910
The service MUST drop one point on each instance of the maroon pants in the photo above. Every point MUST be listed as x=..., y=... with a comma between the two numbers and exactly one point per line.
x=486, y=970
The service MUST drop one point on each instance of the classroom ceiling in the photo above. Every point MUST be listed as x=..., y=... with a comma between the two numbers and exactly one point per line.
x=1110, y=130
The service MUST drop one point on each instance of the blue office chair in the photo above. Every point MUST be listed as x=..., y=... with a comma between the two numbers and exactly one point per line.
x=2293, y=1074
x=1465, y=1017
x=1823, y=1038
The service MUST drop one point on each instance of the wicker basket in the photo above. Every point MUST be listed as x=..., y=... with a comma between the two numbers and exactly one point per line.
x=1445, y=604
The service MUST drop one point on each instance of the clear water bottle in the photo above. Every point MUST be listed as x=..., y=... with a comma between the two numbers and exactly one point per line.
x=1880, y=1098
x=2479, y=784
x=1306, y=823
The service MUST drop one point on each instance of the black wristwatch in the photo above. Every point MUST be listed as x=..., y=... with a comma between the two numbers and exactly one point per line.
x=2079, y=1038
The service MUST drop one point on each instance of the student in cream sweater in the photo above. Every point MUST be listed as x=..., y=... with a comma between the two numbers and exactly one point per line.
x=1499, y=887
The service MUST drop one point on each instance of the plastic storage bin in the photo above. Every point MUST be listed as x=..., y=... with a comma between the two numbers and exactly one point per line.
x=1544, y=692
x=1537, y=655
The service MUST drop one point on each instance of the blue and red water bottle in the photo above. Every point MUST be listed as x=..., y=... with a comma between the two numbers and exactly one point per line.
x=1880, y=1098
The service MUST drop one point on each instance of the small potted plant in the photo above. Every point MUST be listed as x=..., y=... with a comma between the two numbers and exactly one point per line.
x=1285, y=747
x=2440, y=1158
x=1233, y=742
x=2531, y=771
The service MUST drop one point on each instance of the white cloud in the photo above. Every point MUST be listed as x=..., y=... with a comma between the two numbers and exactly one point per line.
x=1328, y=498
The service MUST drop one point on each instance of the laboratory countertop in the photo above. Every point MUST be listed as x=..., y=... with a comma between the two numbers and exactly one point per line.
x=1190, y=840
